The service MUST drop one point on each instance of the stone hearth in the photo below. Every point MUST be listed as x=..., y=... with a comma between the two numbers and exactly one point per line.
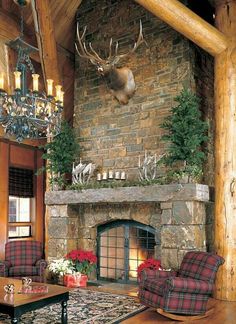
x=181, y=215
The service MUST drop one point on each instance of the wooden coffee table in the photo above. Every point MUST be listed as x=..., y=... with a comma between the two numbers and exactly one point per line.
x=17, y=304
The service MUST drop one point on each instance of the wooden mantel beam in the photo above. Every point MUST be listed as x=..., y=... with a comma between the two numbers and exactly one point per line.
x=186, y=22
x=46, y=39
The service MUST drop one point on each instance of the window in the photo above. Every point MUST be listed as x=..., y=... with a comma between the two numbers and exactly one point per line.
x=21, y=203
x=20, y=210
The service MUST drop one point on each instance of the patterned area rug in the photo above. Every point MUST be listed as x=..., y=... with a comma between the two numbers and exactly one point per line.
x=85, y=307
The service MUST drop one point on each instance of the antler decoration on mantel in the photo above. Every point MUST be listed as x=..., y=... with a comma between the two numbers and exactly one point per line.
x=82, y=173
x=119, y=80
x=148, y=168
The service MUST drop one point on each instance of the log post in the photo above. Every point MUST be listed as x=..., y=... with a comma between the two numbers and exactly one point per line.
x=225, y=152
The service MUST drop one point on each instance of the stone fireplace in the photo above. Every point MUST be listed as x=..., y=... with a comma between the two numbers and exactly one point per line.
x=114, y=137
x=177, y=216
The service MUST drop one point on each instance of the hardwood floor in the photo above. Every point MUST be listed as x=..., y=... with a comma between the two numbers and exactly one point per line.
x=224, y=312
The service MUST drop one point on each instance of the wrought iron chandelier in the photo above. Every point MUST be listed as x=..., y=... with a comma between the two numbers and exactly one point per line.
x=27, y=113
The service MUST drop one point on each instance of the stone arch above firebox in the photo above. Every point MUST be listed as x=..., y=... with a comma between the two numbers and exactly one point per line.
x=90, y=216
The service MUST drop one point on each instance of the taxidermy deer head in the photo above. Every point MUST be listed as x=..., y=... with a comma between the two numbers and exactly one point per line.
x=120, y=80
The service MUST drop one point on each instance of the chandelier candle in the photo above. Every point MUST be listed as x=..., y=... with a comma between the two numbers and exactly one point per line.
x=1, y=81
x=35, y=82
x=49, y=84
x=59, y=93
x=17, y=80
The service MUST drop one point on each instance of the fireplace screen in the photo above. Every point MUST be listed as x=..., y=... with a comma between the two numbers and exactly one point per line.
x=122, y=246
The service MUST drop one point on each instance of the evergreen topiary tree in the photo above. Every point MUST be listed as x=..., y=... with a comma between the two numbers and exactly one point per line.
x=60, y=154
x=186, y=134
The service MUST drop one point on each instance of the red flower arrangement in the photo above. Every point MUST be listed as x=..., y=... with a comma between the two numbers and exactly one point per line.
x=82, y=261
x=149, y=264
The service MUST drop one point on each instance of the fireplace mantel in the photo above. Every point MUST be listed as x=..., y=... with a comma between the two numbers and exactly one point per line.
x=152, y=193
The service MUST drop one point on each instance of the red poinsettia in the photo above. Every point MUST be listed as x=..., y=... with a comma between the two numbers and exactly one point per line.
x=82, y=261
x=149, y=264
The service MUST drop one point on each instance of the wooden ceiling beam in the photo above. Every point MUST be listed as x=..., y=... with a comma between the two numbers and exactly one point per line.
x=44, y=30
x=186, y=22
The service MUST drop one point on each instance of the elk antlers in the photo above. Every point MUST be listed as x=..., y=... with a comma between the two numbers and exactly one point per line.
x=112, y=59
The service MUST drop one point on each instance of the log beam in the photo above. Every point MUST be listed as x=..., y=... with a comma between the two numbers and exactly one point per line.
x=225, y=153
x=186, y=22
x=44, y=30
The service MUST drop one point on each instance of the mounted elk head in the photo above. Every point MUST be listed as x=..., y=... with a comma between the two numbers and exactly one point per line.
x=120, y=80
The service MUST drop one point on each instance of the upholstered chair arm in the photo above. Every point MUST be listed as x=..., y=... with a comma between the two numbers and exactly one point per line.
x=189, y=285
x=42, y=265
x=155, y=274
x=4, y=267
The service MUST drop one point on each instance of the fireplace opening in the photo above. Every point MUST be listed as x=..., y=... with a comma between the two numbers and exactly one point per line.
x=122, y=246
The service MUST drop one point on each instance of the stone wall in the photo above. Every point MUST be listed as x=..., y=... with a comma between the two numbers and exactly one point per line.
x=203, y=74
x=113, y=135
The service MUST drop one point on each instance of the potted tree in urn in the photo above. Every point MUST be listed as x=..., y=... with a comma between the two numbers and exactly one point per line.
x=83, y=263
x=186, y=133
x=60, y=154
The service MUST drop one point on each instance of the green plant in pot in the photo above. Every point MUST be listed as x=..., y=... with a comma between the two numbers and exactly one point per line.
x=60, y=154
x=186, y=134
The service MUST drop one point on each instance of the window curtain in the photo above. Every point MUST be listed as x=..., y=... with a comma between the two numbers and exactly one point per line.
x=21, y=182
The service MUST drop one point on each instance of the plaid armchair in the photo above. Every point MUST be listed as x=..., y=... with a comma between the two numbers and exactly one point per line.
x=184, y=292
x=23, y=258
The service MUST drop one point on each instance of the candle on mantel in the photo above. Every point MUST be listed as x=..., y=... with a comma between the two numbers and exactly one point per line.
x=104, y=176
x=99, y=177
x=123, y=175
x=117, y=175
x=110, y=175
